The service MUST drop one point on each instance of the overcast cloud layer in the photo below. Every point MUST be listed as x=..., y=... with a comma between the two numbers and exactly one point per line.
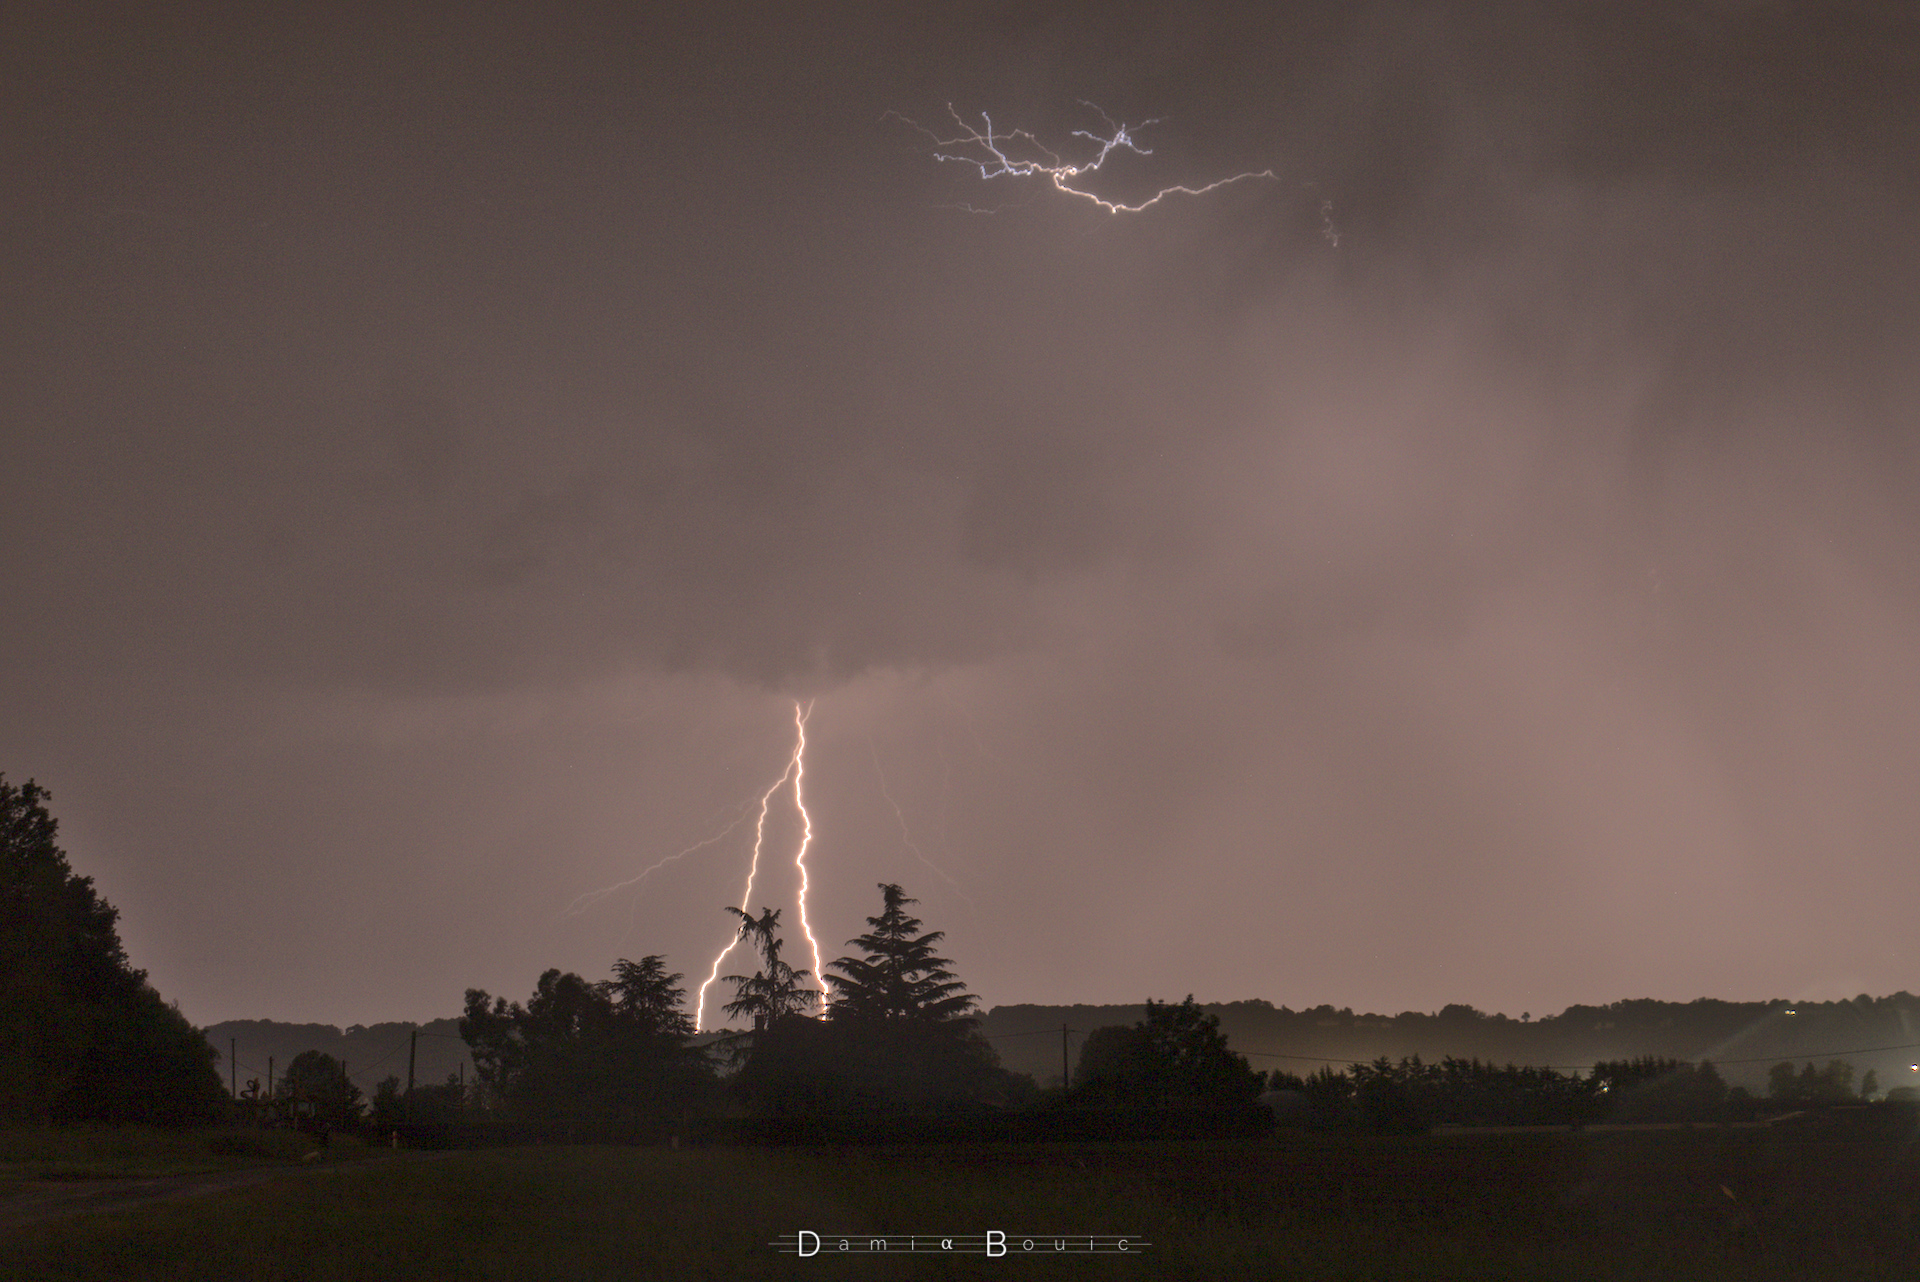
x=1477, y=565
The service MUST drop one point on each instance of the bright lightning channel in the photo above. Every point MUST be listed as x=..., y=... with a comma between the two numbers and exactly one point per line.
x=806, y=839
x=796, y=771
x=987, y=150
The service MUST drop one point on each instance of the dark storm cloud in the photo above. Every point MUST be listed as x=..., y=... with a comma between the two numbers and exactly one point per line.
x=1517, y=486
x=641, y=331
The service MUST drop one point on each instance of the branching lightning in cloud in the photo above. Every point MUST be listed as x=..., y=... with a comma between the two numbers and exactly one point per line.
x=593, y=897
x=1018, y=154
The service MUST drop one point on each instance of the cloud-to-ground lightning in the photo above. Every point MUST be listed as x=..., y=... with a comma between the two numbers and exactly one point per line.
x=906, y=836
x=806, y=838
x=795, y=771
x=1018, y=154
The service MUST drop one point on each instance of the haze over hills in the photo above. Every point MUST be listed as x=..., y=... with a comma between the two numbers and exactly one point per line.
x=1743, y=1039
x=371, y=1052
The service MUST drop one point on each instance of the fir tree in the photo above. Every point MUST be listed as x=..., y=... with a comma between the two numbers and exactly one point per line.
x=901, y=979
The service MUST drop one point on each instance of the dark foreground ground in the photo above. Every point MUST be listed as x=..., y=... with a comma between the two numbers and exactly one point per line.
x=1781, y=1202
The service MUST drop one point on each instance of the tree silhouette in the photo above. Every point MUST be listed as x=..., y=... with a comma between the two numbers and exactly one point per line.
x=773, y=991
x=618, y=1048
x=440, y=1104
x=900, y=979
x=1176, y=1055
x=646, y=998
x=1114, y=1054
x=83, y=1036
x=899, y=1036
x=317, y=1084
x=1830, y=1085
x=541, y=1058
x=1653, y=1088
x=649, y=1059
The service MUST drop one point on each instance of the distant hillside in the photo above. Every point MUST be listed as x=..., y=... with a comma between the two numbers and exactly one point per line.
x=1742, y=1038
x=371, y=1053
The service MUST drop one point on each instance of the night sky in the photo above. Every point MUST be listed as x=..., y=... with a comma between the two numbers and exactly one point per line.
x=438, y=446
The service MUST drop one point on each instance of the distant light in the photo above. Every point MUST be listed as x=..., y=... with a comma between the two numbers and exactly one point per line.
x=1793, y=1012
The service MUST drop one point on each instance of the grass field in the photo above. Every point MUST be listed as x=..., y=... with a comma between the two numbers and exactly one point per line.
x=141, y=1152
x=1655, y=1205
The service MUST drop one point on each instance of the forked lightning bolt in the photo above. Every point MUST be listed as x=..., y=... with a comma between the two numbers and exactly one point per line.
x=796, y=771
x=1019, y=154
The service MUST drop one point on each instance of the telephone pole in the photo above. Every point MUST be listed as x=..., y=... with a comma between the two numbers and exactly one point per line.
x=1065, y=1080
x=233, y=1071
x=413, y=1043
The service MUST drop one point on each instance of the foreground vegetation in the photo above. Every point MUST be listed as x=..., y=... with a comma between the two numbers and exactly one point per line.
x=1674, y=1204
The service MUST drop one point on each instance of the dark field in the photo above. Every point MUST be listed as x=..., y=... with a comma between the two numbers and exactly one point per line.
x=1674, y=1204
x=31, y=1157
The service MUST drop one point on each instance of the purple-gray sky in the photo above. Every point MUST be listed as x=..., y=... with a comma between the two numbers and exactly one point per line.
x=439, y=444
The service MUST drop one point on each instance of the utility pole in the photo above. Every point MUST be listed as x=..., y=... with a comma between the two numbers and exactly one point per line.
x=1064, y=1078
x=269, y=1076
x=233, y=1071
x=413, y=1043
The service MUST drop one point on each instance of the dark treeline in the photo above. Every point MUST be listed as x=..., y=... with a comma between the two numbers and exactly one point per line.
x=899, y=1037
x=83, y=1037
x=1179, y=1056
x=1743, y=1039
x=897, y=1053
x=1411, y=1096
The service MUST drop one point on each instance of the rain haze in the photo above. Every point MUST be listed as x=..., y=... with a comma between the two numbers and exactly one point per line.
x=1476, y=563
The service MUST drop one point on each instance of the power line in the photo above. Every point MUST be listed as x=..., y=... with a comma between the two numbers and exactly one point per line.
x=1864, y=1050
x=360, y=1074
